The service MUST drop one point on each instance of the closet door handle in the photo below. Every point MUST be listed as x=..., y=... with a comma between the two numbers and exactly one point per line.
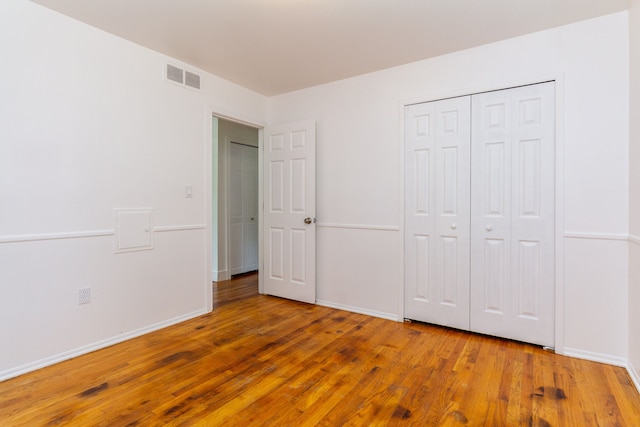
x=489, y=227
x=454, y=226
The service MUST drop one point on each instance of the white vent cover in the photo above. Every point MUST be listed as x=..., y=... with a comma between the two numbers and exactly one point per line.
x=178, y=75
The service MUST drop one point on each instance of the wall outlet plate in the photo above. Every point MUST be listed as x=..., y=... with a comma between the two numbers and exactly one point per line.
x=84, y=296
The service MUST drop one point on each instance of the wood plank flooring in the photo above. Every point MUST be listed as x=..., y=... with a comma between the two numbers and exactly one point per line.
x=264, y=361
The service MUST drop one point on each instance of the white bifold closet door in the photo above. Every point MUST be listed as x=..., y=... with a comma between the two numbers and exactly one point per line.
x=507, y=220
x=512, y=214
x=437, y=208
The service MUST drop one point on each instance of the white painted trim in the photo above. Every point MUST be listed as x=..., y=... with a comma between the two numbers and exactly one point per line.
x=166, y=228
x=596, y=357
x=220, y=275
x=558, y=340
x=56, y=236
x=358, y=226
x=60, y=357
x=373, y=313
x=261, y=211
x=595, y=236
x=208, y=145
x=401, y=208
x=634, y=239
x=635, y=376
x=232, y=116
x=18, y=238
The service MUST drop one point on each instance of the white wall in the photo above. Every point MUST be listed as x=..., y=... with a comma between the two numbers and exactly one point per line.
x=87, y=124
x=358, y=186
x=634, y=193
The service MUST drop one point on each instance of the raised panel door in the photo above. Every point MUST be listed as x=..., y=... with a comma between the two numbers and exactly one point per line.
x=437, y=136
x=512, y=212
x=289, y=212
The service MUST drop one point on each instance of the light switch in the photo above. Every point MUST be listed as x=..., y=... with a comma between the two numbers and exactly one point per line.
x=188, y=191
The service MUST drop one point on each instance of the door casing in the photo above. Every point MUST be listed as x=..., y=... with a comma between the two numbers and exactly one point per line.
x=210, y=147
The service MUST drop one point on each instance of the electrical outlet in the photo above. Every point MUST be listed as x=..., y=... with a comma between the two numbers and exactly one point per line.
x=84, y=296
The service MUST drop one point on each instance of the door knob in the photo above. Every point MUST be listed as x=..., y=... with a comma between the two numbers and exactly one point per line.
x=307, y=220
x=489, y=227
x=454, y=226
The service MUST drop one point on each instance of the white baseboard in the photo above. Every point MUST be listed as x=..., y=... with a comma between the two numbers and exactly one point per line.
x=608, y=359
x=388, y=316
x=51, y=360
x=596, y=357
x=220, y=276
x=635, y=376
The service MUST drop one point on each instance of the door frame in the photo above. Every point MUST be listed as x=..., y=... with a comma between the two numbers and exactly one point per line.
x=438, y=94
x=211, y=146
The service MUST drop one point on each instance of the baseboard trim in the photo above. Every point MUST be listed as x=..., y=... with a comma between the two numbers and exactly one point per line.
x=635, y=376
x=596, y=357
x=373, y=313
x=48, y=361
x=220, y=275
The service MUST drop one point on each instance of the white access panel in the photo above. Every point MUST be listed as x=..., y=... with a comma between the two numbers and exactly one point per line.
x=512, y=214
x=437, y=157
x=133, y=229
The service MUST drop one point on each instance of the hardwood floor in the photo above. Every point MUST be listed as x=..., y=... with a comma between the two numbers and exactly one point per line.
x=241, y=287
x=259, y=360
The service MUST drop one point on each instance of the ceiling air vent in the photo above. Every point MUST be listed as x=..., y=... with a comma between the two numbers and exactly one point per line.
x=182, y=77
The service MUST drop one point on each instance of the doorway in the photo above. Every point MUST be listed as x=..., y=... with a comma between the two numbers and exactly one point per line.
x=230, y=136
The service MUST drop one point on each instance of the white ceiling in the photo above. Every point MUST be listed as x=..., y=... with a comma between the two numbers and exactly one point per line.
x=276, y=46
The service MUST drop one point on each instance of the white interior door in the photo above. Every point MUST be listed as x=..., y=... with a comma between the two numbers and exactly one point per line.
x=243, y=208
x=289, y=211
x=437, y=137
x=512, y=211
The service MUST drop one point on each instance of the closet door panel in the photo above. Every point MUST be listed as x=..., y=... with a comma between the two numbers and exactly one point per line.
x=513, y=289
x=243, y=208
x=437, y=136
